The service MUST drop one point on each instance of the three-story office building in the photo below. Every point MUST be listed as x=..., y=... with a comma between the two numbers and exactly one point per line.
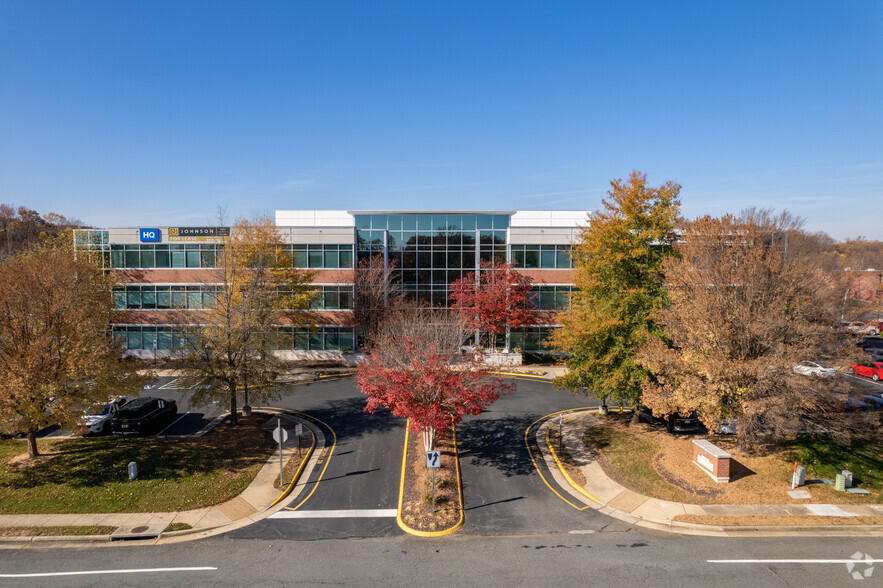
x=164, y=274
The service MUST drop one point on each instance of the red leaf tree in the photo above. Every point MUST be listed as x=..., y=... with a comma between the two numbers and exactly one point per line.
x=499, y=297
x=415, y=376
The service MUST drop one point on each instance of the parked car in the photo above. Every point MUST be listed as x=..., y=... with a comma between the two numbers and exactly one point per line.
x=729, y=427
x=674, y=423
x=814, y=368
x=98, y=418
x=144, y=415
x=873, y=370
x=860, y=328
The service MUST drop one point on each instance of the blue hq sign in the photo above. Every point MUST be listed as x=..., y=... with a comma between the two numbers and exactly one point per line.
x=149, y=235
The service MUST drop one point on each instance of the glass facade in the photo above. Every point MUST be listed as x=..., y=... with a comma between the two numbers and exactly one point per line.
x=429, y=251
x=532, y=338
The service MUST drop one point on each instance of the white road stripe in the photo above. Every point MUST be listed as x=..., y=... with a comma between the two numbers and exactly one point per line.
x=334, y=514
x=807, y=561
x=99, y=572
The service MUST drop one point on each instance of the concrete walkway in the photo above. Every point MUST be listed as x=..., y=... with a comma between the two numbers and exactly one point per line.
x=619, y=502
x=252, y=505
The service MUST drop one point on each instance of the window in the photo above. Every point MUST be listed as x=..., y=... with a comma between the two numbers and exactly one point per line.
x=541, y=256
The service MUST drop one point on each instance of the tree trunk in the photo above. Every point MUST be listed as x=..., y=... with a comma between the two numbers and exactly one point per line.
x=428, y=438
x=234, y=418
x=32, y=444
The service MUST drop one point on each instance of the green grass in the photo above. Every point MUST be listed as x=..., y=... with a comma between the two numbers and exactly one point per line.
x=177, y=527
x=822, y=458
x=56, y=531
x=629, y=460
x=91, y=476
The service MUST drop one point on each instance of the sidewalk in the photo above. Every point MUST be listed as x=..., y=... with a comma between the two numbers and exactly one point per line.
x=252, y=505
x=621, y=503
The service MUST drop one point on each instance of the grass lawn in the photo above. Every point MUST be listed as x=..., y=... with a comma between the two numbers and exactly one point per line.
x=56, y=531
x=91, y=476
x=822, y=458
x=652, y=462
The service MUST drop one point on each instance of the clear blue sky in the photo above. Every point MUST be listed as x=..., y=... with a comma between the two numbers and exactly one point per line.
x=144, y=113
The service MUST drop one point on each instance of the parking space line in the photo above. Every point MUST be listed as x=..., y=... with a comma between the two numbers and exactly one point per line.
x=173, y=424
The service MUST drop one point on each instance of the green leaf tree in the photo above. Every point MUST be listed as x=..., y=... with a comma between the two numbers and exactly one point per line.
x=57, y=356
x=258, y=292
x=617, y=269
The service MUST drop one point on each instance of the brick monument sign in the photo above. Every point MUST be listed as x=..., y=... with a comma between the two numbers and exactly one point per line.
x=712, y=460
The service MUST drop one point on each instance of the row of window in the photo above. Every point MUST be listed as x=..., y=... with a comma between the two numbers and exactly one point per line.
x=202, y=296
x=551, y=297
x=541, y=256
x=164, y=338
x=138, y=297
x=298, y=338
x=204, y=255
x=406, y=240
x=432, y=222
x=190, y=255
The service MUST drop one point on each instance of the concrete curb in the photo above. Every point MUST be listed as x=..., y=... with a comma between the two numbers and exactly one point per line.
x=203, y=514
x=649, y=512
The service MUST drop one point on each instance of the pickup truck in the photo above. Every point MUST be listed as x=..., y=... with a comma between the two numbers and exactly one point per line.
x=144, y=415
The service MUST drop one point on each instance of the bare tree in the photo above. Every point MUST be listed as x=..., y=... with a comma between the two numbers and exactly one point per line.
x=376, y=291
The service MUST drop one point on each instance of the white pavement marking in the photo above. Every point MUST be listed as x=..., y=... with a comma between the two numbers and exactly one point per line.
x=799, y=561
x=173, y=385
x=98, y=572
x=333, y=514
x=173, y=424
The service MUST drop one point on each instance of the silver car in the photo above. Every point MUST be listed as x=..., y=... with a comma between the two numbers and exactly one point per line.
x=815, y=368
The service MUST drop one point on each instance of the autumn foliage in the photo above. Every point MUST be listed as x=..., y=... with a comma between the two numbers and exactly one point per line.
x=416, y=374
x=499, y=297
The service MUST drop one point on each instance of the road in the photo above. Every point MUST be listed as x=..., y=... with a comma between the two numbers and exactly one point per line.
x=518, y=531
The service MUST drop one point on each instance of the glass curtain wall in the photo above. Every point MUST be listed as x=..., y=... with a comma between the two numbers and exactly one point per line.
x=429, y=251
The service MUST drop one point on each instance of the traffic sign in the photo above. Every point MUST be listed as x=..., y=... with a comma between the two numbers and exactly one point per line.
x=298, y=429
x=280, y=431
x=433, y=459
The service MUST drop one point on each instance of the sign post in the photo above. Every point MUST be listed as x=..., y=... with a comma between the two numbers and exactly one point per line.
x=433, y=462
x=280, y=435
x=298, y=430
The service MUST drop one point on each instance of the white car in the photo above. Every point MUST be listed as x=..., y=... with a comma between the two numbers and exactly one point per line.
x=815, y=368
x=860, y=328
x=98, y=417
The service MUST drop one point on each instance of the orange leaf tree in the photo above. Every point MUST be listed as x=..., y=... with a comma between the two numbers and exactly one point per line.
x=617, y=270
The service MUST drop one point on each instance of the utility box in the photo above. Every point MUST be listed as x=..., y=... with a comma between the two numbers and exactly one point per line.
x=133, y=470
x=847, y=477
x=799, y=477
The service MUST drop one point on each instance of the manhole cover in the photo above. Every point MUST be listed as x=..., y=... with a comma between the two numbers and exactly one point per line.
x=140, y=529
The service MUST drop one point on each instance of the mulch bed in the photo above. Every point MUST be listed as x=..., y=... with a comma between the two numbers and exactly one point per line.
x=417, y=511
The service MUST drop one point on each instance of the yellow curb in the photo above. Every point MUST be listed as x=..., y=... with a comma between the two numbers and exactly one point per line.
x=520, y=375
x=576, y=486
x=401, y=522
x=300, y=470
x=343, y=375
